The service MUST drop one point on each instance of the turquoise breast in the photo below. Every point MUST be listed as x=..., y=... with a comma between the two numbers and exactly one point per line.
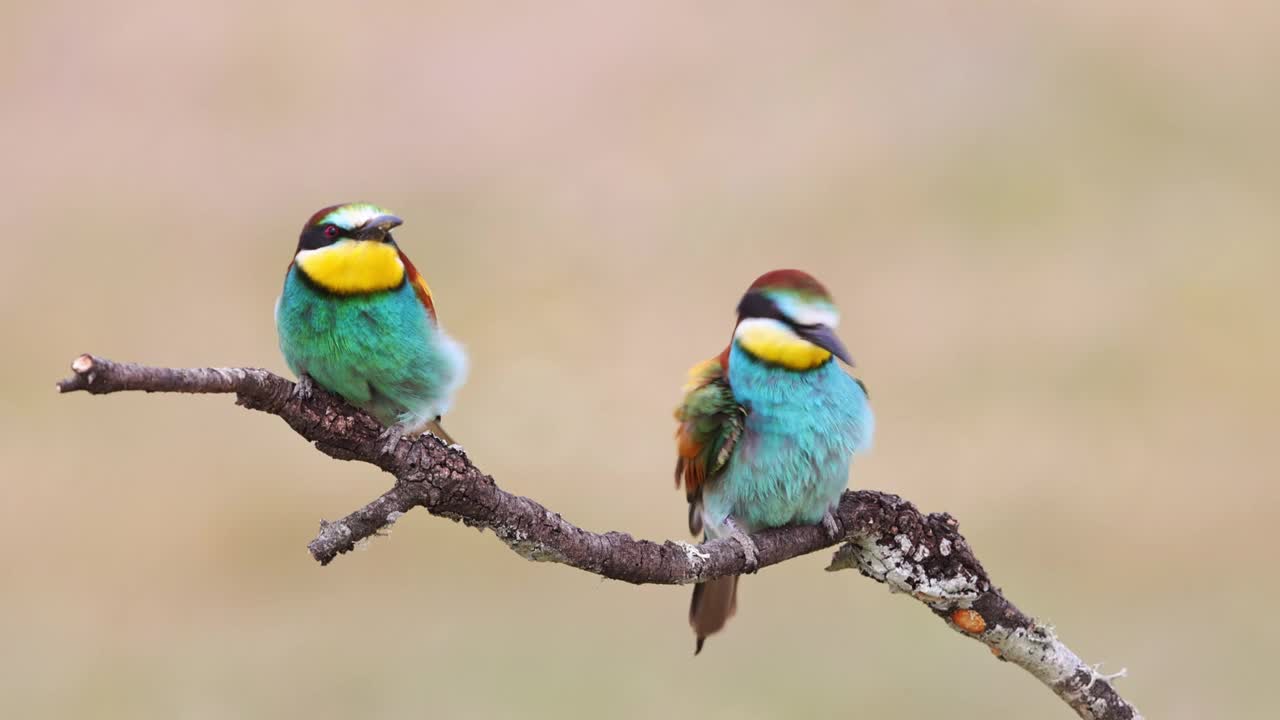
x=379, y=351
x=792, y=462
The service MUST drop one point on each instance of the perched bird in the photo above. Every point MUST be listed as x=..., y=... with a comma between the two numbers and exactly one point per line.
x=767, y=429
x=357, y=318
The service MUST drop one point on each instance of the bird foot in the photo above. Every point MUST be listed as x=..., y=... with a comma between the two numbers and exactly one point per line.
x=390, y=438
x=302, y=390
x=748, y=545
x=831, y=525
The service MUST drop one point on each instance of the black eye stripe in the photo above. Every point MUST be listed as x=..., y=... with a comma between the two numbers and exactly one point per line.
x=315, y=237
x=756, y=304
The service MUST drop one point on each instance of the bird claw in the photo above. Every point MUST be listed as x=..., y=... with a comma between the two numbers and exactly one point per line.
x=749, y=550
x=302, y=390
x=390, y=438
x=831, y=525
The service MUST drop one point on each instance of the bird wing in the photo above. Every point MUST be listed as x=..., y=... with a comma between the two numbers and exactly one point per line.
x=419, y=284
x=711, y=421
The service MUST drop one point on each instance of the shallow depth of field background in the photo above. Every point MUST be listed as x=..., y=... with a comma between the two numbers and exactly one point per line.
x=1052, y=232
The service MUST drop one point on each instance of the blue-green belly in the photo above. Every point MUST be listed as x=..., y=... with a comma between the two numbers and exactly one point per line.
x=379, y=351
x=792, y=462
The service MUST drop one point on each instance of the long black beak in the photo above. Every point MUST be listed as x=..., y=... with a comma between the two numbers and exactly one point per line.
x=825, y=338
x=377, y=228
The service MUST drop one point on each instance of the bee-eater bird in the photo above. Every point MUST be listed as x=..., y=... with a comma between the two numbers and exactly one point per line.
x=356, y=318
x=768, y=428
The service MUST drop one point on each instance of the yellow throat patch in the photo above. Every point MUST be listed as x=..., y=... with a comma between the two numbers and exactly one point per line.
x=351, y=267
x=775, y=343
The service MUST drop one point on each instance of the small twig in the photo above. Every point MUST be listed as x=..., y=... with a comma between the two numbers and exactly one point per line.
x=885, y=537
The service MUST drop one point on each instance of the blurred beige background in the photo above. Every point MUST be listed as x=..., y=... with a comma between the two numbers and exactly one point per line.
x=1051, y=229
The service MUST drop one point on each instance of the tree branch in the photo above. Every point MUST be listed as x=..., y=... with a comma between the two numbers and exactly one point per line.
x=884, y=537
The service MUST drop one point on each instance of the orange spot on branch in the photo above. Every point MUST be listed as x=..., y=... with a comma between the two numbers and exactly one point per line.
x=969, y=621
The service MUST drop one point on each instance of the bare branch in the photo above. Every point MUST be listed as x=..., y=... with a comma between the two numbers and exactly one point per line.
x=884, y=537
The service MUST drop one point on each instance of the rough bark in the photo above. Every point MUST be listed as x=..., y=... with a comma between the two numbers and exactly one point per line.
x=882, y=536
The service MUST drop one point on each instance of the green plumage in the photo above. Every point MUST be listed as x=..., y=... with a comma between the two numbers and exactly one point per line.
x=380, y=351
x=711, y=423
x=714, y=419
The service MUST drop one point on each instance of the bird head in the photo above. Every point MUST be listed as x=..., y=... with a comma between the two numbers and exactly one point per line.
x=787, y=318
x=348, y=249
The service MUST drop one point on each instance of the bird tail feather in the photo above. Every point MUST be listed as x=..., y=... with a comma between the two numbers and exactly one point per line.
x=714, y=602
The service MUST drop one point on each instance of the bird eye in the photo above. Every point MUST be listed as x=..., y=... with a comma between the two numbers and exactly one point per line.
x=331, y=231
